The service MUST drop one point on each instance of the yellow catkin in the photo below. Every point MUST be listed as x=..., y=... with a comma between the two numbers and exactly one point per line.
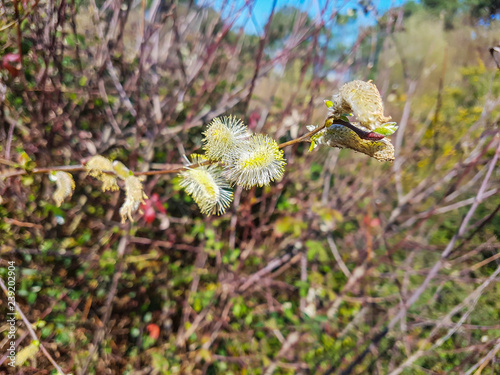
x=97, y=167
x=363, y=100
x=121, y=170
x=206, y=185
x=65, y=186
x=27, y=352
x=134, y=196
x=258, y=163
x=223, y=137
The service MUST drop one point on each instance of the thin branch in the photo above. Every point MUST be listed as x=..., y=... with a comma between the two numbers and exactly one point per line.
x=303, y=138
x=337, y=256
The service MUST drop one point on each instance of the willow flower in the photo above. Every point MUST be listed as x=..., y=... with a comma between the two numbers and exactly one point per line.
x=27, y=352
x=342, y=137
x=223, y=137
x=97, y=167
x=206, y=185
x=65, y=186
x=259, y=162
x=134, y=196
x=361, y=99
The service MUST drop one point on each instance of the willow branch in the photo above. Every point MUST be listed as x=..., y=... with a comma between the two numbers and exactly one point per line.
x=81, y=168
x=305, y=137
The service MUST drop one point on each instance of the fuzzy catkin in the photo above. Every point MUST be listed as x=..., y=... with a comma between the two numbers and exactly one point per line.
x=224, y=137
x=363, y=100
x=134, y=196
x=259, y=162
x=27, y=352
x=206, y=185
x=65, y=186
x=97, y=167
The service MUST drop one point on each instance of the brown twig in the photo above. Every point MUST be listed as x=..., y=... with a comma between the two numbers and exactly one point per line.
x=19, y=35
x=303, y=138
x=23, y=224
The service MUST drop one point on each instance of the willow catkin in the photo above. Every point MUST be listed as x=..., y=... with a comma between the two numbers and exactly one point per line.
x=97, y=167
x=363, y=100
x=27, y=352
x=65, y=186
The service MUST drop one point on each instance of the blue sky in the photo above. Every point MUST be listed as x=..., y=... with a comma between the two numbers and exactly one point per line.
x=262, y=10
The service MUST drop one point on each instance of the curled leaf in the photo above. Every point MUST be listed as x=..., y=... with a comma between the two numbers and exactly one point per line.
x=65, y=186
x=389, y=128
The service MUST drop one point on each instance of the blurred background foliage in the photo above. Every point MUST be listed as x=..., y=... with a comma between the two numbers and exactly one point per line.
x=312, y=274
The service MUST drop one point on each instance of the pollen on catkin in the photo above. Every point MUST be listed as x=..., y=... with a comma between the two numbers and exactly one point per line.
x=223, y=137
x=361, y=99
x=64, y=186
x=206, y=185
x=259, y=162
x=97, y=167
x=27, y=352
x=134, y=196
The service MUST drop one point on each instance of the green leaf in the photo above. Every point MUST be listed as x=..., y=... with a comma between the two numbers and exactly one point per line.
x=389, y=128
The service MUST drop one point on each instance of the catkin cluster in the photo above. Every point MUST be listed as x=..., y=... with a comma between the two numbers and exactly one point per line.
x=233, y=156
